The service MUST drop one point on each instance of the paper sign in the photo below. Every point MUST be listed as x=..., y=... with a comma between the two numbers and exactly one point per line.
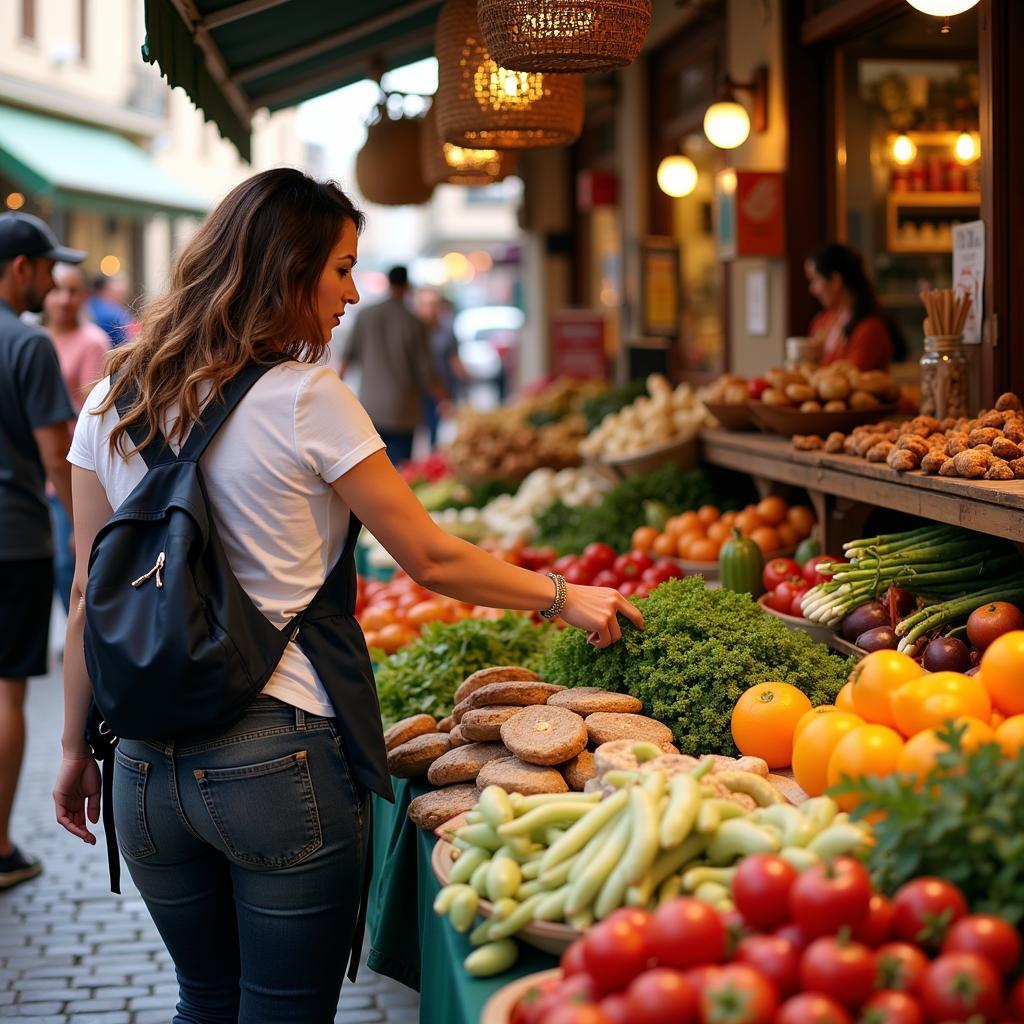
x=969, y=273
x=757, y=302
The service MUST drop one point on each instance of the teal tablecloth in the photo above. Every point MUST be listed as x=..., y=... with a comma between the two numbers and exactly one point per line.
x=408, y=942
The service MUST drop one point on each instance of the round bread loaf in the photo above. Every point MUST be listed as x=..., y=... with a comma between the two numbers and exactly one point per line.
x=408, y=729
x=485, y=723
x=463, y=763
x=495, y=674
x=433, y=809
x=415, y=756
x=588, y=700
x=456, y=738
x=603, y=727
x=519, y=692
x=579, y=770
x=544, y=735
x=445, y=725
x=515, y=776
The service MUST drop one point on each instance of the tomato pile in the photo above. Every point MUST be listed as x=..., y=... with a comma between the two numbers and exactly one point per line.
x=633, y=574
x=786, y=581
x=811, y=947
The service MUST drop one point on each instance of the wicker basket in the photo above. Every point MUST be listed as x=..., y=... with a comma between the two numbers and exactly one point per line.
x=443, y=163
x=388, y=166
x=481, y=105
x=564, y=35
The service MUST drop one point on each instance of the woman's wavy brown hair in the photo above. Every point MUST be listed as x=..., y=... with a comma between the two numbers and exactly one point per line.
x=242, y=290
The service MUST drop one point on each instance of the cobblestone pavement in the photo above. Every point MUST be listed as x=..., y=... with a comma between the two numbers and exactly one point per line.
x=71, y=951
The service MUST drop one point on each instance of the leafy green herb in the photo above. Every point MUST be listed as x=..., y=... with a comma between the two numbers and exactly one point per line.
x=422, y=678
x=964, y=823
x=699, y=651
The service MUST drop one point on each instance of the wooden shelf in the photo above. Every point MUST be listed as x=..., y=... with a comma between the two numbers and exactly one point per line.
x=935, y=200
x=941, y=202
x=941, y=139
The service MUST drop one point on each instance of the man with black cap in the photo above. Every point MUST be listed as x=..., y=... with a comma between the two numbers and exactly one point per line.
x=36, y=417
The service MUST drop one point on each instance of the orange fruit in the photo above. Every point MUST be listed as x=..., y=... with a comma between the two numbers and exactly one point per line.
x=1010, y=735
x=930, y=700
x=748, y=520
x=690, y=521
x=767, y=539
x=395, y=635
x=814, y=746
x=801, y=518
x=708, y=514
x=664, y=545
x=719, y=532
x=920, y=752
x=431, y=610
x=685, y=541
x=729, y=519
x=788, y=537
x=1002, y=672
x=370, y=636
x=869, y=750
x=377, y=617
x=764, y=720
x=844, y=699
x=874, y=678
x=810, y=716
x=704, y=550
x=643, y=538
x=672, y=527
x=772, y=510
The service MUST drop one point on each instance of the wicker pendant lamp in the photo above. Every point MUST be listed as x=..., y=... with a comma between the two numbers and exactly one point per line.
x=564, y=35
x=481, y=105
x=388, y=166
x=444, y=163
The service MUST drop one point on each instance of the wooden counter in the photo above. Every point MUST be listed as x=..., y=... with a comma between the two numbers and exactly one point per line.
x=844, y=489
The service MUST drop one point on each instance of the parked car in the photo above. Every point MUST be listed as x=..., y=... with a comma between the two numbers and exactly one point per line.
x=485, y=335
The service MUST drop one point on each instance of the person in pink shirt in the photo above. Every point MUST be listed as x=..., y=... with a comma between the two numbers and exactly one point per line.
x=81, y=348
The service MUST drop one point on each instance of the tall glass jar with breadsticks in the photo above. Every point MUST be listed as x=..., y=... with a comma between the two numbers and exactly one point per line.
x=944, y=390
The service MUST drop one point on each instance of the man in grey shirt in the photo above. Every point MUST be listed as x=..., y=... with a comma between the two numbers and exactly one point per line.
x=390, y=346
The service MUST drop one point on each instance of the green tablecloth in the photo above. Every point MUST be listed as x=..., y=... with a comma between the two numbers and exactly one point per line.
x=408, y=941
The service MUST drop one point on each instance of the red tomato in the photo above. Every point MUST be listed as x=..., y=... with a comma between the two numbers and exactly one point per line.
x=563, y=562
x=776, y=958
x=662, y=996
x=615, y=952
x=810, y=571
x=1015, y=1002
x=760, y=890
x=662, y=571
x=698, y=976
x=901, y=966
x=797, y=607
x=845, y=971
x=577, y=1013
x=579, y=574
x=572, y=959
x=925, y=908
x=632, y=565
x=601, y=556
x=827, y=897
x=777, y=570
x=782, y=597
x=643, y=589
x=616, y=1008
x=738, y=994
x=736, y=928
x=627, y=588
x=961, y=986
x=686, y=933
x=892, y=1008
x=792, y=933
x=605, y=578
x=811, y=1008
x=988, y=936
x=877, y=926
x=532, y=1006
x=757, y=387
x=636, y=916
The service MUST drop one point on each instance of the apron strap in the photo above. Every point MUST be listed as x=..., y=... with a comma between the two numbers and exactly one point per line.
x=364, y=897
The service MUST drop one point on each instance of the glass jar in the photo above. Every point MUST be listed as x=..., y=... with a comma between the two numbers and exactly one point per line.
x=944, y=377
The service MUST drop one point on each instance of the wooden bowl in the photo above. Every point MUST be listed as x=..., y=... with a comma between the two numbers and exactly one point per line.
x=781, y=419
x=498, y=1009
x=816, y=631
x=732, y=415
x=683, y=452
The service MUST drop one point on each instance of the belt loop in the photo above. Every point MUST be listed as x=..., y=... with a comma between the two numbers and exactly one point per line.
x=300, y=720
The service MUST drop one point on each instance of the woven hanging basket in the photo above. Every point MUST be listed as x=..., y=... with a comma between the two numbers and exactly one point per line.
x=481, y=105
x=444, y=163
x=388, y=166
x=564, y=35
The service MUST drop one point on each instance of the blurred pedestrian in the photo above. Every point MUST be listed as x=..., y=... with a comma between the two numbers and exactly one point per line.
x=35, y=415
x=108, y=307
x=390, y=346
x=437, y=313
x=81, y=348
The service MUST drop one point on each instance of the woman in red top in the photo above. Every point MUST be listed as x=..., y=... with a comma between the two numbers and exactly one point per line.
x=851, y=326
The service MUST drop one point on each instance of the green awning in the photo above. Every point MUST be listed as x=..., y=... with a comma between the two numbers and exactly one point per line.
x=83, y=166
x=240, y=55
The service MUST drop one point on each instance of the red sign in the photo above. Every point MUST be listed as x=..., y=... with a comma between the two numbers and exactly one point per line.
x=596, y=188
x=750, y=220
x=577, y=344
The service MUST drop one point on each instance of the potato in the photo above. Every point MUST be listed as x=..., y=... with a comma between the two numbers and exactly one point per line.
x=832, y=387
x=773, y=396
x=836, y=405
x=810, y=406
x=863, y=400
x=800, y=393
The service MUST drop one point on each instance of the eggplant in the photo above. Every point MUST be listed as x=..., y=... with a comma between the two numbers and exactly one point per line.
x=946, y=654
x=880, y=638
x=860, y=620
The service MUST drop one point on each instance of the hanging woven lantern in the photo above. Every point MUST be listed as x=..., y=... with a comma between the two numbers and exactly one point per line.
x=481, y=105
x=388, y=166
x=444, y=163
x=564, y=35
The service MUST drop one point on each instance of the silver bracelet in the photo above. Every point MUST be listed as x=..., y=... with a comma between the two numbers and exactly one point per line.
x=561, y=594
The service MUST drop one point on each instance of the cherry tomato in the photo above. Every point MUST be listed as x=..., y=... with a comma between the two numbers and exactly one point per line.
x=737, y=994
x=827, y=897
x=797, y=607
x=811, y=1008
x=601, y=556
x=686, y=933
x=579, y=575
x=537, y=1001
x=760, y=890
x=632, y=565
x=605, y=578
x=925, y=908
x=662, y=996
x=899, y=966
x=845, y=971
x=810, y=571
x=572, y=959
x=616, y=1008
x=615, y=952
x=961, y=986
x=776, y=958
x=777, y=570
x=891, y=1008
x=577, y=1013
x=698, y=976
x=987, y=935
x=791, y=933
x=876, y=928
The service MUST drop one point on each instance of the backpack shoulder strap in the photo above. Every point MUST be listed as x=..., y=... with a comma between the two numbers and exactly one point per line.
x=158, y=450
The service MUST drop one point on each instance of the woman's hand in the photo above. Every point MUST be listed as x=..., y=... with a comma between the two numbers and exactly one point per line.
x=76, y=794
x=596, y=610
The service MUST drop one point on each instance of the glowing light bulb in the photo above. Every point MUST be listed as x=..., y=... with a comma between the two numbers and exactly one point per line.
x=903, y=150
x=677, y=176
x=110, y=265
x=727, y=124
x=966, y=148
x=942, y=8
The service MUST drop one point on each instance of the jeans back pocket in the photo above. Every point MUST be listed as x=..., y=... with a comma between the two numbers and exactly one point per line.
x=130, y=777
x=265, y=814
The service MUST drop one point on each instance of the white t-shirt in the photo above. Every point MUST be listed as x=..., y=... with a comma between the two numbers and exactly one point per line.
x=268, y=473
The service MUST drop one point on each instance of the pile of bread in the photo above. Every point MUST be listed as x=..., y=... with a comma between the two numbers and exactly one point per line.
x=988, y=447
x=838, y=387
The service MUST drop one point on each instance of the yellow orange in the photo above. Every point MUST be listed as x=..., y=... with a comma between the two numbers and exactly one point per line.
x=643, y=538
x=764, y=720
x=1010, y=735
x=844, y=699
x=801, y=518
x=1002, y=672
x=810, y=716
x=814, y=746
x=873, y=680
x=870, y=750
x=927, y=702
x=919, y=753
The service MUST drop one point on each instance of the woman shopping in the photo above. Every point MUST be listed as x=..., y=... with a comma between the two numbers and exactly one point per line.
x=248, y=843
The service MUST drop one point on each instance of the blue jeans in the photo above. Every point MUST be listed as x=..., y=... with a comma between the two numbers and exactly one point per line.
x=249, y=851
x=399, y=446
x=64, y=557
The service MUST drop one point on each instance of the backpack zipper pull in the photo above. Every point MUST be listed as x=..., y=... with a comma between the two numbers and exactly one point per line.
x=157, y=569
